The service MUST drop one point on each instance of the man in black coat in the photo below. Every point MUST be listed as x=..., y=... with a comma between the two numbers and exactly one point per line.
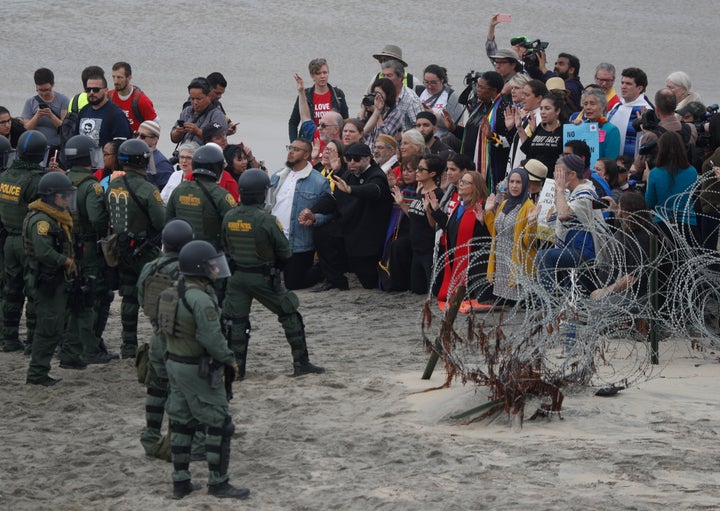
x=364, y=202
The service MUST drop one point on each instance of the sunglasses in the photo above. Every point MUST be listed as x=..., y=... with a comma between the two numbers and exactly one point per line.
x=94, y=89
x=353, y=157
x=141, y=136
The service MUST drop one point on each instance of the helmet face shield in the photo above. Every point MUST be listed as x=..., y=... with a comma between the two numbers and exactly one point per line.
x=217, y=267
x=97, y=160
x=66, y=200
x=7, y=158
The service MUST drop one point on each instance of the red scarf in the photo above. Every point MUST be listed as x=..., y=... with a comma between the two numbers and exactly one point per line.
x=455, y=273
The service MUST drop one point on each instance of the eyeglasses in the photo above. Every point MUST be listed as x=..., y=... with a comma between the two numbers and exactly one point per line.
x=353, y=157
x=329, y=150
x=7, y=121
x=142, y=136
x=422, y=169
x=185, y=157
x=382, y=147
x=604, y=80
x=323, y=125
x=44, y=90
x=431, y=83
x=294, y=149
x=94, y=89
x=464, y=182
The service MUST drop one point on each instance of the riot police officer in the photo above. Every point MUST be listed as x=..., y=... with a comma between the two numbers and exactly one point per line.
x=18, y=188
x=90, y=223
x=137, y=216
x=155, y=277
x=6, y=151
x=202, y=202
x=255, y=242
x=47, y=240
x=189, y=317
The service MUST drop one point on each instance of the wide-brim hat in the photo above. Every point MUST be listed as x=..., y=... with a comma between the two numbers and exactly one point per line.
x=555, y=83
x=505, y=54
x=392, y=52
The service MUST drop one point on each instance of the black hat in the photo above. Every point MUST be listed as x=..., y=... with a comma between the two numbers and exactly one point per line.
x=357, y=149
x=424, y=114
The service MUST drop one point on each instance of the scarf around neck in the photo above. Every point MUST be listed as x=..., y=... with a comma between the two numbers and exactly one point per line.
x=62, y=217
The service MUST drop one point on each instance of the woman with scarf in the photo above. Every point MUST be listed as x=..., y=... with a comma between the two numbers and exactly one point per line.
x=466, y=241
x=594, y=104
x=512, y=226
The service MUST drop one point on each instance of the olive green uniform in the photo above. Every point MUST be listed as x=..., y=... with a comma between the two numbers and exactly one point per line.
x=90, y=223
x=191, y=325
x=254, y=241
x=137, y=216
x=18, y=188
x=48, y=245
x=203, y=203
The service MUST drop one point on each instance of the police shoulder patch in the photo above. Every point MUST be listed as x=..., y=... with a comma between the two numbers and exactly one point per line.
x=43, y=227
x=230, y=200
x=98, y=189
x=280, y=226
x=158, y=197
x=211, y=314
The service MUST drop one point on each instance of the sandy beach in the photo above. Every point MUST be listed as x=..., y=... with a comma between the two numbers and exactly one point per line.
x=363, y=435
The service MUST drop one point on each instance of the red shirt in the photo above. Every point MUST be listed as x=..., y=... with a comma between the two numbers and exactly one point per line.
x=144, y=105
x=322, y=104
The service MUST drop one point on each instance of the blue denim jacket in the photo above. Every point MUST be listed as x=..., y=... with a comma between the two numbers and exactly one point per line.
x=309, y=188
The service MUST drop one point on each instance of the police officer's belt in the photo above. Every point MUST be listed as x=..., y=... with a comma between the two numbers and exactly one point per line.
x=13, y=232
x=183, y=360
x=263, y=269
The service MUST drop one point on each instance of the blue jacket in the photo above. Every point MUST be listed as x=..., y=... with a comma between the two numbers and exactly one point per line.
x=310, y=186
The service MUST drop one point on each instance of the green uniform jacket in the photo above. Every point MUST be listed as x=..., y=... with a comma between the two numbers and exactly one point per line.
x=126, y=215
x=190, y=202
x=90, y=220
x=205, y=312
x=18, y=188
x=251, y=237
x=48, y=247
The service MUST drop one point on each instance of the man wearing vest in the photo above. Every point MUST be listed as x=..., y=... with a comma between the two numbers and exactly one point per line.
x=90, y=223
x=254, y=241
x=197, y=353
x=137, y=216
x=156, y=276
x=18, y=188
x=131, y=100
x=47, y=240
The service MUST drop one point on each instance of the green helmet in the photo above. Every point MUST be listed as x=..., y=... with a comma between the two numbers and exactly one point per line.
x=5, y=152
x=54, y=187
x=32, y=146
x=200, y=259
x=253, y=185
x=134, y=153
x=78, y=150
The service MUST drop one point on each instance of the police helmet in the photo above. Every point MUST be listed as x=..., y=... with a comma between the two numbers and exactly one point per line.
x=176, y=234
x=78, y=150
x=54, y=183
x=5, y=152
x=134, y=153
x=253, y=184
x=208, y=161
x=32, y=146
x=200, y=259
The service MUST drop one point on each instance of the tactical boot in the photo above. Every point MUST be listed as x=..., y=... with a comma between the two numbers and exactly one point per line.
x=228, y=491
x=73, y=364
x=307, y=368
x=47, y=382
x=11, y=346
x=128, y=350
x=100, y=358
x=184, y=488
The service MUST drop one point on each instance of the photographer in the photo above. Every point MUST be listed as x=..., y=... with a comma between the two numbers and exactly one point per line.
x=379, y=112
x=567, y=67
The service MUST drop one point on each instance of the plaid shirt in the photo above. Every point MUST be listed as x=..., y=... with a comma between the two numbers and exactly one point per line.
x=409, y=105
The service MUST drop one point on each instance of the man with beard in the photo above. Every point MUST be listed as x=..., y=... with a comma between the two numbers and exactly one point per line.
x=567, y=67
x=329, y=128
x=101, y=119
x=131, y=100
x=364, y=202
x=426, y=124
x=296, y=187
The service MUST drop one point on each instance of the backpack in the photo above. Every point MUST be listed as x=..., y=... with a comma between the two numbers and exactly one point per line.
x=68, y=128
x=136, y=93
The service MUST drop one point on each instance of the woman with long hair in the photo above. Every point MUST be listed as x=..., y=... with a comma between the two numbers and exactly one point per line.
x=545, y=143
x=381, y=115
x=512, y=226
x=332, y=163
x=669, y=186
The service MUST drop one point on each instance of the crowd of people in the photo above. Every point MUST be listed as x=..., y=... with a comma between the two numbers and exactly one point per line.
x=417, y=187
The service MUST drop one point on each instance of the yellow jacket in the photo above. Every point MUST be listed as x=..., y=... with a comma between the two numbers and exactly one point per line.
x=524, y=248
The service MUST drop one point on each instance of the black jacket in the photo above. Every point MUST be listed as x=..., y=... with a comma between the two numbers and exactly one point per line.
x=338, y=104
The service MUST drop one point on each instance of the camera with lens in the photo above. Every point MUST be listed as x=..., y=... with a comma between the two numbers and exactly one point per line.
x=369, y=99
x=649, y=150
x=648, y=121
x=532, y=48
x=704, y=138
x=468, y=97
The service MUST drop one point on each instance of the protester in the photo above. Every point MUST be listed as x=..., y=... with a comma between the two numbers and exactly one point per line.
x=10, y=127
x=545, y=143
x=594, y=110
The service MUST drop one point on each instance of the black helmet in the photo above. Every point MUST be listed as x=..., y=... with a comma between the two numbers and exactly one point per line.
x=54, y=183
x=134, y=153
x=253, y=184
x=5, y=151
x=208, y=161
x=200, y=259
x=32, y=146
x=176, y=234
x=78, y=150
